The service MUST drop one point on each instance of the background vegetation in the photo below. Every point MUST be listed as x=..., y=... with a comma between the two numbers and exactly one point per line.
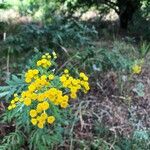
x=103, y=38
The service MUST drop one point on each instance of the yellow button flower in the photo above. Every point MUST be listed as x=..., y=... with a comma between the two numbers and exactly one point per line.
x=39, y=108
x=27, y=80
x=51, y=119
x=38, y=63
x=16, y=99
x=66, y=71
x=15, y=95
x=27, y=101
x=12, y=102
x=73, y=95
x=63, y=78
x=44, y=115
x=51, y=77
x=136, y=69
x=54, y=55
x=85, y=78
x=33, y=113
x=47, y=54
x=34, y=121
x=40, y=125
x=44, y=56
x=35, y=71
x=64, y=105
x=82, y=74
x=31, y=87
x=65, y=98
x=45, y=105
x=13, y=106
x=9, y=107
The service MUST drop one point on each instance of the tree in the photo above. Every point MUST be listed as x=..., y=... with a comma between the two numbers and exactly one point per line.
x=124, y=8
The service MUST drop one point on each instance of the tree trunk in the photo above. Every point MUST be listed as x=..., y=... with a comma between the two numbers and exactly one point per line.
x=127, y=8
x=123, y=21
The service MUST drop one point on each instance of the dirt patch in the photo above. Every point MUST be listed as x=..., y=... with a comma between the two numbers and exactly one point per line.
x=104, y=105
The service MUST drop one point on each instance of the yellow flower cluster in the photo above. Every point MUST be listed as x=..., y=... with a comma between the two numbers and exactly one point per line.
x=42, y=93
x=45, y=61
x=13, y=102
x=136, y=69
x=31, y=74
x=54, y=55
x=74, y=84
x=41, y=119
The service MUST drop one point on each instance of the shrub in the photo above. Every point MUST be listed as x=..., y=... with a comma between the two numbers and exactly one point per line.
x=40, y=103
x=29, y=36
x=104, y=59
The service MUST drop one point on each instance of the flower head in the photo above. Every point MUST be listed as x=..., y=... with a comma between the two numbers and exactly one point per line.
x=136, y=69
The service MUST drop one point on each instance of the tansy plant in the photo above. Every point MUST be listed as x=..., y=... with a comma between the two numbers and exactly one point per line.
x=45, y=91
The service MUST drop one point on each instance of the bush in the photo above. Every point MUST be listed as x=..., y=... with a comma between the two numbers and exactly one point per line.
x=105, y=59
x=142, y=22
x=39, y=105
x=30, y=36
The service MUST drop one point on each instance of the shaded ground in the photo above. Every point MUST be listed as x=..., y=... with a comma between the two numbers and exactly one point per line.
x=105, y=114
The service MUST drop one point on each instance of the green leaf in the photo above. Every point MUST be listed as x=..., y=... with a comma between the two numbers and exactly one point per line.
x=139, y=89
